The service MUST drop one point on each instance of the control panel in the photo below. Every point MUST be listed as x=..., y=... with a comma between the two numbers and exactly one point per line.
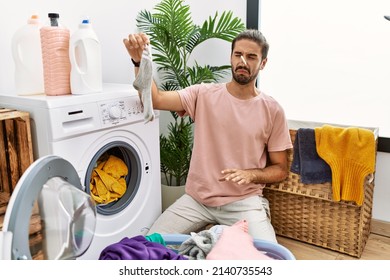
x=114, y=112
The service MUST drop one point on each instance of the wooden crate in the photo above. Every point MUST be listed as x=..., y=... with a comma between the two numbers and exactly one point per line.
x=16, y=152
x=16, y=155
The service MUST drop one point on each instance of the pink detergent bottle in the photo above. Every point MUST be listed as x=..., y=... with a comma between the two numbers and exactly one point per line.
x=55, y=55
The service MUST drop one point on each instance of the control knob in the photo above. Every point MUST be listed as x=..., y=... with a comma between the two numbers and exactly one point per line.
x=114, y=112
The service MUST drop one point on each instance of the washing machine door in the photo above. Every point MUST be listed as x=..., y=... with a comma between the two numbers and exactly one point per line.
x=52, y=186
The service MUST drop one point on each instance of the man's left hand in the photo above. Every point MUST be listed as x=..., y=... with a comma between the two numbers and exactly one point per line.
x=238, y=176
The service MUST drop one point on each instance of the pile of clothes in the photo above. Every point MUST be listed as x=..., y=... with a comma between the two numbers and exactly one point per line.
x=217, y=243
x=150, y=247
x=108, y=180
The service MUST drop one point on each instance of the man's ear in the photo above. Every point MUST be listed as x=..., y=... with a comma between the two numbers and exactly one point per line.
x=263, y=63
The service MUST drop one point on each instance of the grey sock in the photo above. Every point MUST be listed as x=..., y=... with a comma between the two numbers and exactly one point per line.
x=143, y=83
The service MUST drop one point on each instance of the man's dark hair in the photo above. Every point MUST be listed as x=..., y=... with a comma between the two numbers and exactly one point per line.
x=255, y=36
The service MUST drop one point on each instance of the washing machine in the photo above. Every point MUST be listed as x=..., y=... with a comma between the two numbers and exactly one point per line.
x=83, y=129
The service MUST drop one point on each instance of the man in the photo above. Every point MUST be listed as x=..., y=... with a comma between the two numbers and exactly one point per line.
x=241, y=139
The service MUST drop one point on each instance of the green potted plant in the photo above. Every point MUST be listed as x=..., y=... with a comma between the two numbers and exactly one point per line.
x=174, y=36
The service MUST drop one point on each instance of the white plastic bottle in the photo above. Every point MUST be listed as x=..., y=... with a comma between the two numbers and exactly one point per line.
x=55, y=55
x=86, y=60
x=27, y=56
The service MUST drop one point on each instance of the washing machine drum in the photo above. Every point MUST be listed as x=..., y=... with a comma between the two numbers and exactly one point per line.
x=52, y=187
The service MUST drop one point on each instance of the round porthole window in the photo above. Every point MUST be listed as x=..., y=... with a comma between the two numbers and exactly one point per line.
x=115, y=166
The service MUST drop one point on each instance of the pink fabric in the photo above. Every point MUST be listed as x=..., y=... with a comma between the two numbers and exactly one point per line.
x=235, y=243
x=233, y=133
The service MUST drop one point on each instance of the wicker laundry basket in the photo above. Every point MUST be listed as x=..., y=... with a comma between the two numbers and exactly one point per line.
x=309, y=214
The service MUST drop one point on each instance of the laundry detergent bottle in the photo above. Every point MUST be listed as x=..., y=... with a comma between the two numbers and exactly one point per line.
x=55, y=55
x=86, y=60
x=27, y=56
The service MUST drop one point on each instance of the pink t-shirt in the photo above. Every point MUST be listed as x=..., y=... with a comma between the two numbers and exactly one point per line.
x=230, y=133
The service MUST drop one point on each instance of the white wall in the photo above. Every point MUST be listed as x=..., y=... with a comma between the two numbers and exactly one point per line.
x=329, y=62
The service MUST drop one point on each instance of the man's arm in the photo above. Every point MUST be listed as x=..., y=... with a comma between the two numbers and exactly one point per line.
x=276, y=171
x=162, y=100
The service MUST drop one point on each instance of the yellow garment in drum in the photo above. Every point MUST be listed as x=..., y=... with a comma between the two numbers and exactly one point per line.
x=108, y=181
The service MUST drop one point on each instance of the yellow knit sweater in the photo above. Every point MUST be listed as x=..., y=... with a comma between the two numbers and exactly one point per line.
x=350, y=153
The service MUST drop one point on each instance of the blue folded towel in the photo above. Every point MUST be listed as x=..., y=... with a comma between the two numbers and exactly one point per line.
x=306, y=161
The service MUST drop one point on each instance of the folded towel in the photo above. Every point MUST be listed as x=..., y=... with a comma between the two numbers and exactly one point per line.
x=198, y=245
x=306, y=161
x=350, y=152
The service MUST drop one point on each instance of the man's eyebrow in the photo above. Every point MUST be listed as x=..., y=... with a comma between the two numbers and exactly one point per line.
x=253, y=54
x=247, y=54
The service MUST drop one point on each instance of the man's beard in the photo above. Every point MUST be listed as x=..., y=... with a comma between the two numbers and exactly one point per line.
x=243, y=79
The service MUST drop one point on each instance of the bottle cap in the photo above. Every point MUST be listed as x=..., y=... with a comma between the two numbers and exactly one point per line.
x=54, y=15
x=34, y=19
x=53, y=19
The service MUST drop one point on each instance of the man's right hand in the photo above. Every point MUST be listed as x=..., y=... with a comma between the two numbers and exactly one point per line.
x=135, y=44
